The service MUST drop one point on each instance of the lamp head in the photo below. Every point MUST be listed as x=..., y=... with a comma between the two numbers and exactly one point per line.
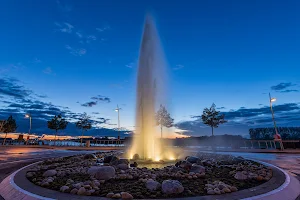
x=273, y=99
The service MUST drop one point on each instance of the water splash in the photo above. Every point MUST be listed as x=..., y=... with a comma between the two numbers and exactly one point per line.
x=151, y=82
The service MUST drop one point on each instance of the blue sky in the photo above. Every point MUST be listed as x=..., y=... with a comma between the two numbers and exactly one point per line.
x=227, y=52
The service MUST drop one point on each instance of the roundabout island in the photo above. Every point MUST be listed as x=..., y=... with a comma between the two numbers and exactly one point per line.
x=106, y=175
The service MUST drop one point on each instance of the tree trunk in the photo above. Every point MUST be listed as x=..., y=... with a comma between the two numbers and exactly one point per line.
x=4, y=139
x=81, y=138
x=212, y=131
x=161, y=131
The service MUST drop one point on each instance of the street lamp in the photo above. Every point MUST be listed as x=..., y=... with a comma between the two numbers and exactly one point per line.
x=118, y=111
x=271, y=107
x=28, y=116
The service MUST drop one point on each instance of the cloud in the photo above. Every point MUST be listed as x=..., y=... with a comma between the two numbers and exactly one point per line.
x=16, y=100
x=79, y=34
x=48, y=71
x=89, y=104
x=178, y=67
x=287, y=91
x=220, y=108
x=105, y=28
x=90, y=38
x=284, y=87
x=95, y=101
x=243, y=118
x=101, y=98
x=64, y=27
x=11, y=88
x=132, y=64
x=76, y=52
x=11, y=67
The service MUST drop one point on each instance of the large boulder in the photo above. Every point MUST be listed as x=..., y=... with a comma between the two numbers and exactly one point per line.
x=136, y=157
x=92, y=170
x=122, y=166
x=152, y=185
x=172, y=187
x=105, y=173
x=119, y=161
x=50, y=172
x=192, y=159
x=110, y=159
x=197, y=169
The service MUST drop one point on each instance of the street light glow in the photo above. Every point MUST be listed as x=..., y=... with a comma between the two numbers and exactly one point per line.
x=273, y=99
x=27, y=115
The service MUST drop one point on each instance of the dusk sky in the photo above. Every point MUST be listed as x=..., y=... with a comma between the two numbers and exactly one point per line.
x=81, y=56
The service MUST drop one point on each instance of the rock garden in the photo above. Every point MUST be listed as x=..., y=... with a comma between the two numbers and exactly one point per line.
x=107, y=174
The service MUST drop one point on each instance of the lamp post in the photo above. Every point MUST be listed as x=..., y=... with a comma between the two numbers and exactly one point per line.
x=28, y=116
x=118, y=111
x=271, y=107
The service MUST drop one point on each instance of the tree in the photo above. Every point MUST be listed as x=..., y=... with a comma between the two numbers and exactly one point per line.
x=211, y=117
x=84, y=123
x=57, y=123
x=163, y=119
x=8, y=126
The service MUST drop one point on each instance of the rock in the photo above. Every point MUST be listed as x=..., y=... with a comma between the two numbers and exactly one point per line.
x=259, y=178
x=126, y=196
x=116, y=196
x=92, y=170
x=217, y=191
x=90, y=156
x=81, y=191
x=44, y=184
x=197, y=169
x=206, y=162
x=211, y=192
x=192, y=159
x=184, y=165
x=240, y=176
x=172, y=187
x=136, y=157
x=233, y=189
x=64, y=188
x=110, y=195
x=123, y=176
x=77, y=185
x=110, y=159
x=221, y=186
x=50, y=172
x=152, y=185
x=120, y=161
x=74, y=191
x=122, y=166
x=30, y=174
x=134, y=164
x=226, y=190
x=105, y=173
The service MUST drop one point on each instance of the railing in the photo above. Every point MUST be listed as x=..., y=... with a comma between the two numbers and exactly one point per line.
x=269, y=144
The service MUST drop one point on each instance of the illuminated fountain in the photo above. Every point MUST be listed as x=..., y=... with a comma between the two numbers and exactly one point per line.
x=151, y=83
